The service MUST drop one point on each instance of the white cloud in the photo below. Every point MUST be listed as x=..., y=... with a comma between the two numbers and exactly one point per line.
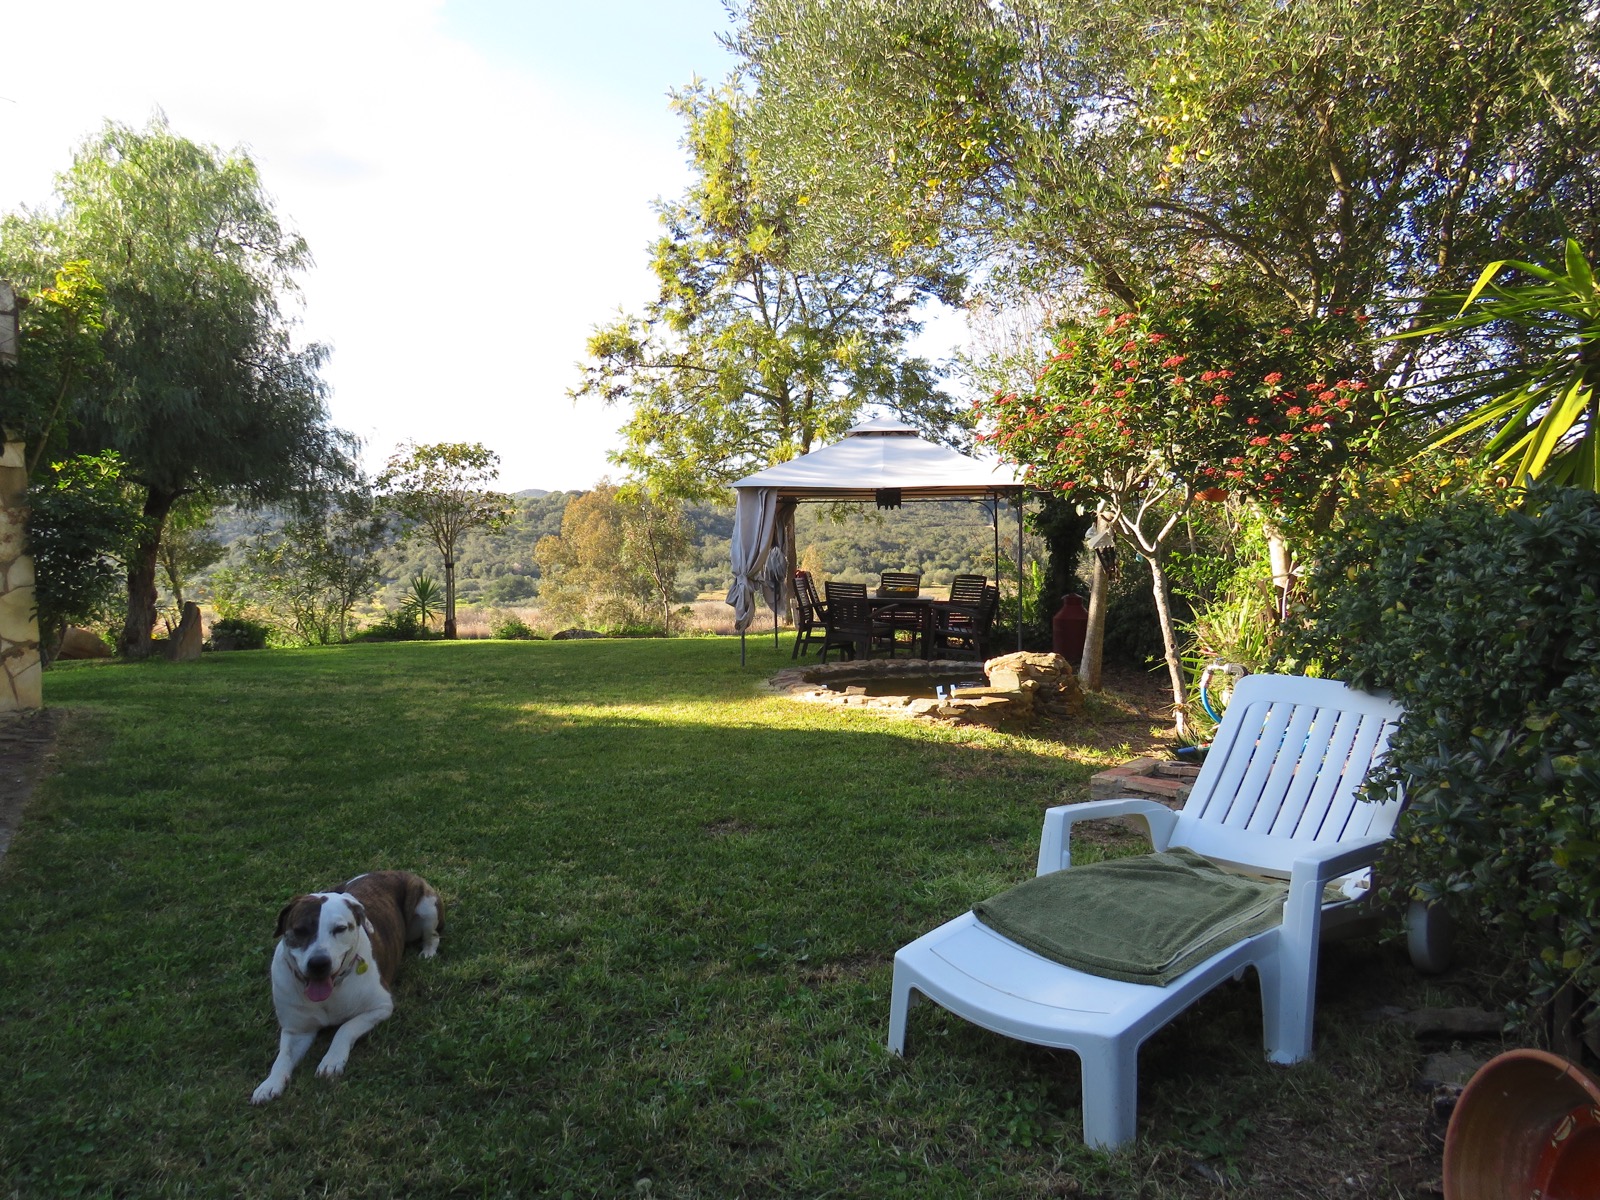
x=471, y=221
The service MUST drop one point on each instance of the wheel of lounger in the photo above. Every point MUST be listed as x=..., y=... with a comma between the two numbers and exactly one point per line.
x=1428, y=937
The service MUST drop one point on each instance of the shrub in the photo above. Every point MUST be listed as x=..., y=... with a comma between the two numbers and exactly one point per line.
x=399, y=626
x=1485, y=623
x=237, y=633
x=513, y=629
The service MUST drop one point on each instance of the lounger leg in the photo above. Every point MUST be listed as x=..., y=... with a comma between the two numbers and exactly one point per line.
x=1110, y=1092
x=1286, y=1014
x=902, y=998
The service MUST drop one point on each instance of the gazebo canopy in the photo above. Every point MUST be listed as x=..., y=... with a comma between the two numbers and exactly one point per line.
x=874, y=457
x=884, y=454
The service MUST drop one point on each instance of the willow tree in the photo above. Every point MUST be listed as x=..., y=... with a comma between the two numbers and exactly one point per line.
x=761, y=341
x=205, y=391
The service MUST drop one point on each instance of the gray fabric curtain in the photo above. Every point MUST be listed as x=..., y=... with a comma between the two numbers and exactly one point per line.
x=755, y=517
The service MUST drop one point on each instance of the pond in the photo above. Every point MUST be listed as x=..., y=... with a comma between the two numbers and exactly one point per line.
x=922, y=686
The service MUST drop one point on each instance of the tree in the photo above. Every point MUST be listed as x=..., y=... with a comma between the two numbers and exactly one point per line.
x=59, y=359
x=321, y=564
x=1137, y=412
x=657, y=541
x=442, y=489
x=186, y=547
x=1315, y=155
x=205, y=392
x=80, y=524
x=754, y=350
x=617, y=556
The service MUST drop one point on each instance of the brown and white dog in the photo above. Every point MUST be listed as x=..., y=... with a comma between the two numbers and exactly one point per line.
x=337, y=957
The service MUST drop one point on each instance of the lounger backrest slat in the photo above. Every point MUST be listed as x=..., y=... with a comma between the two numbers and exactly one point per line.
x=1291, y=766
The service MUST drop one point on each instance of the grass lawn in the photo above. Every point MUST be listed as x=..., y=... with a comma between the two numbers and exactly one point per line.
x=672, y=902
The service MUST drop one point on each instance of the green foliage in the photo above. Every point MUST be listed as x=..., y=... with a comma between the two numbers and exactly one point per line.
x=1185, y=394
x=1538, y=407
x=203, y=388
x=512, y=629
x=312, y=572
x=81, y=524
x=239, y=633
x=1315, y=155
x=422, y=601
x=753, y=351
x=615, y=561
x=443, y=490
x=1484, y=620
x=59, y=360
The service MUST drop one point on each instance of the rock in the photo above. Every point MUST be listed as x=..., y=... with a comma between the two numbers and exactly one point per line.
x=1453, y=1022
x=80, y=643
x=1451, y=1068
x=572, y=635
x=186, y=643
x=1054, y=681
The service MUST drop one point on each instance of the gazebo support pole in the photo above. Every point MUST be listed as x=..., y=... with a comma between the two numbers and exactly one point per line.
x=741, y=647
x=1021, y=505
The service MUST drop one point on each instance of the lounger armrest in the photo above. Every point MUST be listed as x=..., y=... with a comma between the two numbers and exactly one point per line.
x=1055, y=842
x=1312, y=870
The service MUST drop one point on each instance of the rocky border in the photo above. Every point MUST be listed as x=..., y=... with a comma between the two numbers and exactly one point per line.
x=1019, y=685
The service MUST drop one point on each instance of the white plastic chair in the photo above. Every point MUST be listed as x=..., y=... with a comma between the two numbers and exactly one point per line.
x=1276, y=796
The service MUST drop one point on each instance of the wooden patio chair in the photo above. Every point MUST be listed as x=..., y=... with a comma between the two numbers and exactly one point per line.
x=850, y=624
x=1277, y=796
x=963, y=630
x=908, y=620
x=809, y=620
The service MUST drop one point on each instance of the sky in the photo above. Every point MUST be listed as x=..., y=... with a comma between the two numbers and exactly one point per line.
x=474, y=177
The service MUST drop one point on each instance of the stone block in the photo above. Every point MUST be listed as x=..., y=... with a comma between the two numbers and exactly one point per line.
x=80, y=643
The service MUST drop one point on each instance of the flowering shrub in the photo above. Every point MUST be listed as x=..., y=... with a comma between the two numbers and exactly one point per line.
x=1194, y=394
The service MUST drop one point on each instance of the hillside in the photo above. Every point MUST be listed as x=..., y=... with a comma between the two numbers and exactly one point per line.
x=849, y=542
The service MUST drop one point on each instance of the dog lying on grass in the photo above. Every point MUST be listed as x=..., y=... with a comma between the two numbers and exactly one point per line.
x=337, y=957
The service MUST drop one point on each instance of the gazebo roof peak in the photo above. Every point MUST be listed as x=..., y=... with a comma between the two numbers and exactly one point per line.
x=882, y=427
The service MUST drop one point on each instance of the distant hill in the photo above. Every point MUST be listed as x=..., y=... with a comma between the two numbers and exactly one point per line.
x=851, y=542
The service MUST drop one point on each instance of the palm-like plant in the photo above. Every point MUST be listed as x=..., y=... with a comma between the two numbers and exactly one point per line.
x=424, y=601
x=1540, y=412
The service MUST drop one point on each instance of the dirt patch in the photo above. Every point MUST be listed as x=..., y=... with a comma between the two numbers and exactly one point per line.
x=27, y=751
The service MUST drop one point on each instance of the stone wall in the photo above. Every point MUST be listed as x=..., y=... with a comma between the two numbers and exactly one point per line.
x=20, y=672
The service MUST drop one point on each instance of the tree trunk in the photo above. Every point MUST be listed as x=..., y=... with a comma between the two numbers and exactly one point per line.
x=1094, y=637
x=141, y=619
x=1169, y=641
x=1282, y=564
x=450, y=598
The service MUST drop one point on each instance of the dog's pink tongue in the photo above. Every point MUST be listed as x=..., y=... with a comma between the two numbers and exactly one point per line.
x=319, y=990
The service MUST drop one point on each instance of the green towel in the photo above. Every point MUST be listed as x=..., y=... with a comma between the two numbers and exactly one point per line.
x=1145, y=919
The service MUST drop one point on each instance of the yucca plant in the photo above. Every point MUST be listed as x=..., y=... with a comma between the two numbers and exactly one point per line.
x=1539, y=412
x=424, y=601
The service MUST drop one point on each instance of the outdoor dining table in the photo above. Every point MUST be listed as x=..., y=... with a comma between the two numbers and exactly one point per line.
x=927, y=610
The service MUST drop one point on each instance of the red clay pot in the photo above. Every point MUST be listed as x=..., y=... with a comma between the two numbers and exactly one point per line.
x=1526, y=1125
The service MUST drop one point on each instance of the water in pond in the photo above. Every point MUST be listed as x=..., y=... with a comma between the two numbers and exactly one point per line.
x=915, y=686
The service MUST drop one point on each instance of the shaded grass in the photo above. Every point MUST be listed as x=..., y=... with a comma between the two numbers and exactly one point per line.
x=672, y=902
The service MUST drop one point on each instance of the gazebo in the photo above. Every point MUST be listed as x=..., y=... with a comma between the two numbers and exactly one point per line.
x=883, y=461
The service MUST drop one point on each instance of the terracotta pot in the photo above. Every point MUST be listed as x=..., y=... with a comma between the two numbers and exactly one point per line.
x=1212, y=494
x=1528, y=1124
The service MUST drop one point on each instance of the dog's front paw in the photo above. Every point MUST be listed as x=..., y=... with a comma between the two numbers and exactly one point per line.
x=270, y=1089
x=429, y=949
x=332, y=1066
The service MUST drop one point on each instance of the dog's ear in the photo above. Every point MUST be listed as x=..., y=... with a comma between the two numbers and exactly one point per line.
x=359, y=912
x=283, y=916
